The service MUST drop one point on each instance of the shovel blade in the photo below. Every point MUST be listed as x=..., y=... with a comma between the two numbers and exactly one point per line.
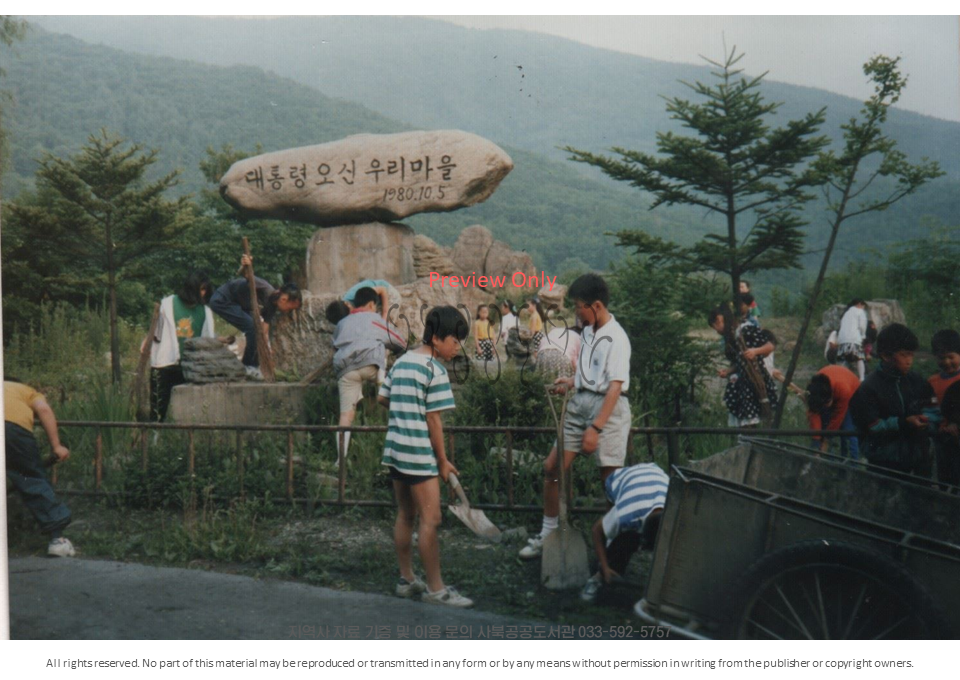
x=477, y=522
x=564, y=564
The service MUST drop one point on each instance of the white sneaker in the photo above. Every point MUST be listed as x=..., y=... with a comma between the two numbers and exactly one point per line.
x=533, y=549
x=407, y=588
x=591, y=588
x=448, y=596
x=61, y=547
x=253, y=372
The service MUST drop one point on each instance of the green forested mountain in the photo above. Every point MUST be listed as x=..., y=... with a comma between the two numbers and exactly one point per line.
x=530, y=93
x=523, y=90
x=63, y=89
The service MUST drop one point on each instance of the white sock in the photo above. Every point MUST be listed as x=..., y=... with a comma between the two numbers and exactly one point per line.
x=549, y=524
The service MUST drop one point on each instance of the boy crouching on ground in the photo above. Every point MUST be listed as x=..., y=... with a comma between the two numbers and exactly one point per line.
x=638, y=494
x=416, y=390
x=598, y=415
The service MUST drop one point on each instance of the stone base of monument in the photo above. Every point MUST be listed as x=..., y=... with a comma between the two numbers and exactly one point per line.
x=239, y=403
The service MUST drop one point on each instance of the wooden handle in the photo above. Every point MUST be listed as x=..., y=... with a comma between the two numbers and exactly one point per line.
x=137, y=389
x=263, y=344
x=457, y=489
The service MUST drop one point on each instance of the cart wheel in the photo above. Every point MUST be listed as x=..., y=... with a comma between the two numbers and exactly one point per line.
x=824, y=590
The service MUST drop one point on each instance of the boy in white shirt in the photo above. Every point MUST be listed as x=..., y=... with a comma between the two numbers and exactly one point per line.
x=598, y=415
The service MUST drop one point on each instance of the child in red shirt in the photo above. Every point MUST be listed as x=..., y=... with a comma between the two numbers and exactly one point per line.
x=828, y=402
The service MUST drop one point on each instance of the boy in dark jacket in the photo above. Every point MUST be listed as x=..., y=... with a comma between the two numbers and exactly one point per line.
x=894, y=408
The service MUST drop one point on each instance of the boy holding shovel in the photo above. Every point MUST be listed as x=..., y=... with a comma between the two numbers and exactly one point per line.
x=597, y=419
x=417, y=390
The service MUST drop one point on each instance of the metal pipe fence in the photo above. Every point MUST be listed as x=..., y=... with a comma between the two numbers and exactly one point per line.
x=671, y=435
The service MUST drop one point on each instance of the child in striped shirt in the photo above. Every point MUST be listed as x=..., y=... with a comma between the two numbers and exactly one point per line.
x=638, y=494
x=417, y=390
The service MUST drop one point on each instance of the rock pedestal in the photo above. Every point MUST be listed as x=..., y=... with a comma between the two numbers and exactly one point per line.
x=246, y=403
x=339, y=258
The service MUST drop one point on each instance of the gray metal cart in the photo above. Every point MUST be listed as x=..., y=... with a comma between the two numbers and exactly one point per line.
x=768, y=540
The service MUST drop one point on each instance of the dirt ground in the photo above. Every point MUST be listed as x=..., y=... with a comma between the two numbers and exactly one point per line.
x=343, y=551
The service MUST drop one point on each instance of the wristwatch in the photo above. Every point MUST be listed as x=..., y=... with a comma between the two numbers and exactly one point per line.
x=595, y=428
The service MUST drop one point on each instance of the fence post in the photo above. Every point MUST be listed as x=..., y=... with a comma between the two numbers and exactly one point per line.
x=646, y=423
x=673, y=447
x=450, y=447
x=240, y=463
x=510, y=468
x=98, y=460
x=191, y=467
x=143, y=449
x=290, y=466
x=342, y=469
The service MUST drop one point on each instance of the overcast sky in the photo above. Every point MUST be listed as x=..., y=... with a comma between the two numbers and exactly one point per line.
x=825, y=52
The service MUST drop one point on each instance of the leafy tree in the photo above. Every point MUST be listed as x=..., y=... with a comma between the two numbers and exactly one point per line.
x=846, y=176
x=735, y=167
x=93, y=218
x=658, y=307
x=11, y=30
x=213, y=241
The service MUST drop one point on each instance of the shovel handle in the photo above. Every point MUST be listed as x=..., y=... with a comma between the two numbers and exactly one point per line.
x=561, y=458
x=457, y=489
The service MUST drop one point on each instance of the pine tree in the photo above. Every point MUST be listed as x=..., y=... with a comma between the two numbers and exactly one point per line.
x=95, y=217
x=735, y=166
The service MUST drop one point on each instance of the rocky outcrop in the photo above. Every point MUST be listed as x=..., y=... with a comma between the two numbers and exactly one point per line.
x=469, y=254
x=553, y=297
x=339, y=258
x=303, y=341
x=881, y=312
x=428, y=257
x=504, y=261
x=367, y=178
x=416, y=299
x=207, y=360
x=476, y=252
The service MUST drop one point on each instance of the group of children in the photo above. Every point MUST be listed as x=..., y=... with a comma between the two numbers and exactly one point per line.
x=486, y=337
x=417, y=390
x=894, y=411
x=189, y=314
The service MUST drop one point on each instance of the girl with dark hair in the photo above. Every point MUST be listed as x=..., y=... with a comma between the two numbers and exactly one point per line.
x=182, y=316
x=741, y=396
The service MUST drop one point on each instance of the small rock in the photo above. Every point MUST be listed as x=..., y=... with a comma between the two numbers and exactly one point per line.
x=516, y=534
x=207, y=360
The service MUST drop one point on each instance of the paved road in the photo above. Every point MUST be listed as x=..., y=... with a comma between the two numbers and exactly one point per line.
x=93, y=599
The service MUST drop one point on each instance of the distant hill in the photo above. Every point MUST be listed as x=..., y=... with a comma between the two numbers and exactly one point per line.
x=64, y=89
x=525, y=91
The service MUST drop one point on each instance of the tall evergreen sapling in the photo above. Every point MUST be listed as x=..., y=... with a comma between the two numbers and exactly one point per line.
x=735, y=166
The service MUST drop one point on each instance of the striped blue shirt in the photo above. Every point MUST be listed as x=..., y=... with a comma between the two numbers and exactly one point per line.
x=635, y=492
x=416, y=385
